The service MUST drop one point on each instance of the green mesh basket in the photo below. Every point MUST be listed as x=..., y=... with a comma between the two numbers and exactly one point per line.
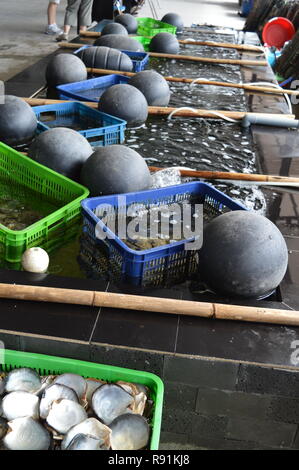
x=22, y=178
x=47, y=365
x=150, y=27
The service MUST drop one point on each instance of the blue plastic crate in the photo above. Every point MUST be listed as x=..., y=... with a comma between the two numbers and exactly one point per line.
x=169, y=263
x=139, y=59
x=89, y=90
x=100, y=129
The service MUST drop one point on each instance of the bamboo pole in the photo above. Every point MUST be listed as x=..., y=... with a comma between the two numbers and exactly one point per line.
x=149, y=304
x=200, y=81
x=223, y=175
x=165, y=111
x=209, y=60
x=226, y=45
x=220, y=175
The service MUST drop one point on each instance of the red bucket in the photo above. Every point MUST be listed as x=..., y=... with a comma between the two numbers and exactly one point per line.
x=277, y=31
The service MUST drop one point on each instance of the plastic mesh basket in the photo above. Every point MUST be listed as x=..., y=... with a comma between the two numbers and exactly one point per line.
x=100, y=129
x=52, y=365
x=139, y=59
x=90, y=90
x=150, y=27
x=162, y=265
x=23, y=176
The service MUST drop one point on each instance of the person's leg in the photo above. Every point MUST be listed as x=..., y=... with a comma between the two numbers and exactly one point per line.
x=85, y=14
x=71, y=12
x=51, y=13
x=70, y=18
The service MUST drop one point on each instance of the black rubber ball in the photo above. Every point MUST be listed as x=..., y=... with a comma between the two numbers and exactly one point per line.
x=105, y=58
x=114, y=28
x=164, y=43
x=175, y=20
x=243, y=255
x=65, y=68
x=122, y=43
x=128, y=21
x=18, y=122
x=115, y=169
x=125, y=102
x=154, y=87
x=61, y=149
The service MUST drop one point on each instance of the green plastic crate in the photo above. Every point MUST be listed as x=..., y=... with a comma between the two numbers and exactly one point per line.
x=150, y=27
x=21, y=173
x=46, y=365
x=145, y=41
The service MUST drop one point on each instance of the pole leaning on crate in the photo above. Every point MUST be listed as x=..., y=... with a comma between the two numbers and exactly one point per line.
x=226, y=45
x=150, y=304
x=183, y=112
x=209, y=60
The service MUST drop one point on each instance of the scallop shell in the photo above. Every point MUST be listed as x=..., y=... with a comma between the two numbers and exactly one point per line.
x=26, y=434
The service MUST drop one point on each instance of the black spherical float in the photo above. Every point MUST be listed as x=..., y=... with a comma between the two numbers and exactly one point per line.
x=243, y=255
x=164, y=43
x=61, y=149
x=125, y=102
x=114, y=28
x=106, y=58
x=175, y=20
x=65, y=68
x=153, y=86
x=115, y=169
x=128, y=21
x=123, y=43
x=18, y=122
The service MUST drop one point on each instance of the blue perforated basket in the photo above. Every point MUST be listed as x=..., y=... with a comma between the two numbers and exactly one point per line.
x=139, y=59
x=100, y=129
x=90, y=90
x=111, y=257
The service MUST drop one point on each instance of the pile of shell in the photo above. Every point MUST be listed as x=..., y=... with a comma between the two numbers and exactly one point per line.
x=69, y=412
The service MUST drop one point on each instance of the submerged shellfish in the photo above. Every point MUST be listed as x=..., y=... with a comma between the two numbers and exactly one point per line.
x=110, y=401
x=26, y=434
x=129, y=432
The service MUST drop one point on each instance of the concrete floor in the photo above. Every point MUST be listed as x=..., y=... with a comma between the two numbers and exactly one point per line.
x=22, y=25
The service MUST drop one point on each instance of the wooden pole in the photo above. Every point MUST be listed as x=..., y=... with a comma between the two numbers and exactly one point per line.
x=209, y=60
x=149, y=304
x=223, y=175
x=226, y=45
x=200, y=81
x=165, y=111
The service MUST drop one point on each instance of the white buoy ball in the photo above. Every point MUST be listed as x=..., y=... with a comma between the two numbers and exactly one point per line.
x=35, y=260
